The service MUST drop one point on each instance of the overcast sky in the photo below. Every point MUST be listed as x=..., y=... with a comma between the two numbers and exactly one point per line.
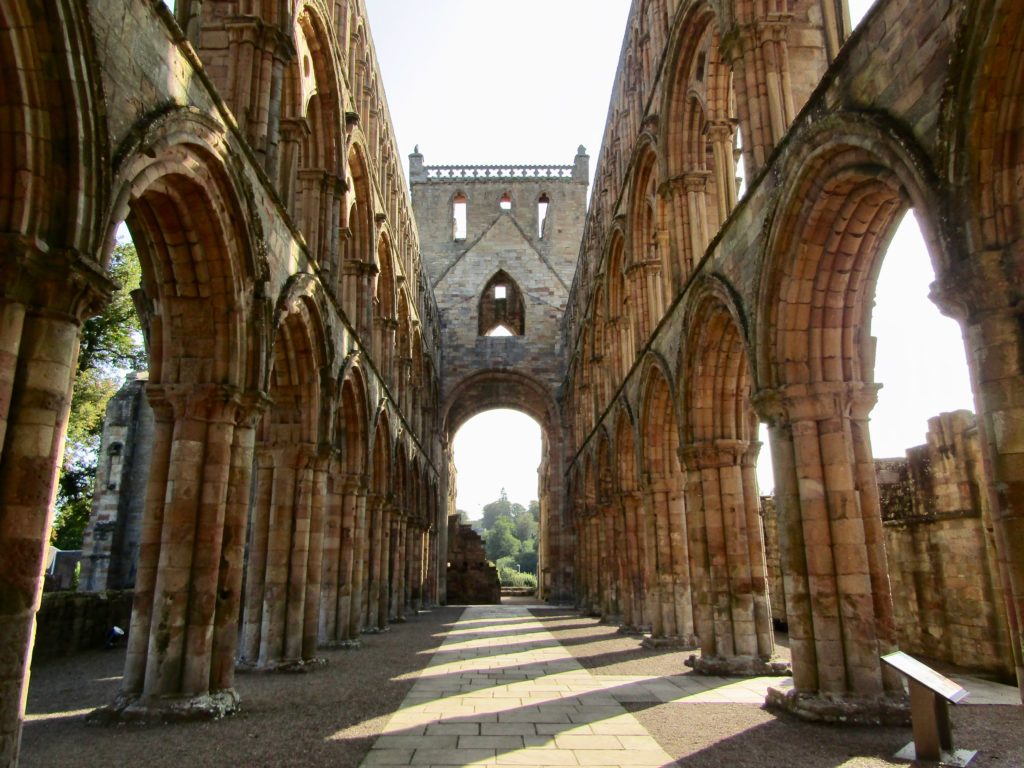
x=480, y=81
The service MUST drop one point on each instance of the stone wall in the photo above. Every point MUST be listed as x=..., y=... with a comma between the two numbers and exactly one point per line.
x=111, y=543
x=949, y=603
x=471, y=578
x=76, y=621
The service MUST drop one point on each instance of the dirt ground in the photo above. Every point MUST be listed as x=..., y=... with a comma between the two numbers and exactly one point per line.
x=331, y=715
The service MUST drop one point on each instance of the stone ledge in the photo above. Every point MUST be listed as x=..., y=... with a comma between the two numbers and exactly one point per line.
x=132, y=708
x=738, y=666
x=689, y=642
x=288, y=666
x=887, y=709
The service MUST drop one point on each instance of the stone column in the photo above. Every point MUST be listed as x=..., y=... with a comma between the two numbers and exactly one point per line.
x=384, y=580
x=758, y=50
x=43, y=299
x=634, y=618
x=332, y=626
x=727, y=563
x=696, y=185
x=838, y=604
x=184, y=617
x=668, y=579
x=256, y=566
x=980, y=294
x=360, y=547
x=314, y=563
x=720, y=134
x=229, y=589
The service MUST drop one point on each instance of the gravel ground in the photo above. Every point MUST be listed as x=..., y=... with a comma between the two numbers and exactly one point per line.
x=329, y=716
x=744, y=736
x=332, y=715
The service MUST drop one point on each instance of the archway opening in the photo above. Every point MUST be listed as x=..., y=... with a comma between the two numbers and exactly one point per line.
x=497, y=456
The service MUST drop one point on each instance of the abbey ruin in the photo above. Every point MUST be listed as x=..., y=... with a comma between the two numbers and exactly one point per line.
x=319, y=326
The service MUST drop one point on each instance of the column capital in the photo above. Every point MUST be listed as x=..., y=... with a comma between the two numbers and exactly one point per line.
x=973, y=288
x=220, y=403
x=56, y=281
x=815, y=401
x=713, y=454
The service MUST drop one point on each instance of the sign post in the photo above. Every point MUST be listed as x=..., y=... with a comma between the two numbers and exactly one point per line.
x=930, y=696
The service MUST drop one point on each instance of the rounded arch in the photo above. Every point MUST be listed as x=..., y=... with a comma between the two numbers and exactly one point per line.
x=659, y=427
x=381, y=455
x=626, y=450
x=53, y=176
x=352, y=422
x=488, y=390
x=183, y=208
x=845, y=192
x=300, y=356
x=715, y=377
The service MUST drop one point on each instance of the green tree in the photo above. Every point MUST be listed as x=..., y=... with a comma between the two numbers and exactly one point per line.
x=502, y=541
x=496, y=510
x=111, y=345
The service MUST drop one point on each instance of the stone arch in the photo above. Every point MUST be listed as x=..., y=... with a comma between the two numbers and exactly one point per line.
x=698, y=141
x=664, y=520
x=53, y=180
x=647, y=245
x=507, y=310
x=732, y=617
x=984, y=288
x=487, y=390
x=846, y=190
x=848, y=186
x=182, y=206
x=311, y=151
x=285, y=552
x=360, y=243
x=206, y=330
x=385, y=321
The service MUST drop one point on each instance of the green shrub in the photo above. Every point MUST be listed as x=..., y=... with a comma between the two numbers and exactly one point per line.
x=510, y=577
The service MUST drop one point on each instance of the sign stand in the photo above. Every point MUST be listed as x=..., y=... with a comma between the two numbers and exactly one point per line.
x=930, y=696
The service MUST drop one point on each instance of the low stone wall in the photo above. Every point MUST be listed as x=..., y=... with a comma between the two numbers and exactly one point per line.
x=74, y=621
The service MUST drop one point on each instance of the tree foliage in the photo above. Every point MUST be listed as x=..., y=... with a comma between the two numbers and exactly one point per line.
x=111, y=345
x=510, y=530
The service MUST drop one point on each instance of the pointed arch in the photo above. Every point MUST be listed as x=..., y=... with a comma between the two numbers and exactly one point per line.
x=501, y=303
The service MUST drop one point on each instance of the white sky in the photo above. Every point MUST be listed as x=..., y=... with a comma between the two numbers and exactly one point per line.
x=479, y=81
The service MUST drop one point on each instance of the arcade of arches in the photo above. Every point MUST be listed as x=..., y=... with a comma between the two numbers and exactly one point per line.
x=307, y=367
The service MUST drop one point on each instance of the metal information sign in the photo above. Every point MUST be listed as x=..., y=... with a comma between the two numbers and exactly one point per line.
x=930, y=696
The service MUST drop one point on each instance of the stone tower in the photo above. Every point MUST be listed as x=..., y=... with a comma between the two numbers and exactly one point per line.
x=499, y=244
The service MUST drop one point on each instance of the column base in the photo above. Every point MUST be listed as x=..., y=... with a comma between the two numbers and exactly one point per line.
x=133, y=708
x=886, y=709
x=633, y=629
x=738, y=666
x=686, y=642
x=286, y=666
x=374, y=630
x=612, y=618
x=343, y=644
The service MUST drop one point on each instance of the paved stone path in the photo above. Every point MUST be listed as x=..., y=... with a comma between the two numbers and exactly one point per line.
x=502, y=691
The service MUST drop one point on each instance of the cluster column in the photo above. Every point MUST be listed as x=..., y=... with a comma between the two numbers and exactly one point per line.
x=729, y=575
x=838, y=604
x=184, y=615
x=980, y=294
x=43, y=299
x=669, y=603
